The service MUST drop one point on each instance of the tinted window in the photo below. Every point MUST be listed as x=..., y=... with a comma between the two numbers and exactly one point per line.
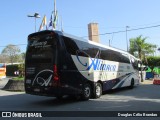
x=80, y=48
x=124, y=58
x=71, y=46
x=75, y=47
x=114, y=56
x=106, y=54
x=88, y=49
x=92, y=52
x=41, y=49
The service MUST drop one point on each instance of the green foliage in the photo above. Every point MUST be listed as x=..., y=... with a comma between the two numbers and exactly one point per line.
x=12, y=52
x=18, y=78
x=139, y=46
x=153, y=61
x=21, y=69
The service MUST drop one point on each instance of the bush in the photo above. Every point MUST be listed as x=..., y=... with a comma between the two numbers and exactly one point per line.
x=153, y=61
x=18, y=78
x=11, y=69
x=21, y=70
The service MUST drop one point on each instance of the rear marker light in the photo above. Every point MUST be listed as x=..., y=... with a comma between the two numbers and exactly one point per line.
x=56, y=78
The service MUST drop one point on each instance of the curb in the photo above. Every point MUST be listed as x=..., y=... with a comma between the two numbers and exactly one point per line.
x=14, y=85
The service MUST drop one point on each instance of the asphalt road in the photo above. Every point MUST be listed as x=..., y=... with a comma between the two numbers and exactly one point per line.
x=145, y=97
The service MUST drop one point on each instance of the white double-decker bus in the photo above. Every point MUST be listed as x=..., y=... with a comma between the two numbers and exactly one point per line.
x=59, y=64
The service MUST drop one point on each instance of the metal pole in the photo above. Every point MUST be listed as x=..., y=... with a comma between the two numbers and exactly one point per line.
x=35, y=24
x=126, y=38
x=141, y=73
x=36, y=15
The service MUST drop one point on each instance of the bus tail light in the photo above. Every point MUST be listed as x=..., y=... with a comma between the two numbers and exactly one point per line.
x=55, y=77
x=56, y=81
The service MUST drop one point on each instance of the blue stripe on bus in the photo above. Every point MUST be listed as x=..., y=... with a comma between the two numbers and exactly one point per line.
x=120, y=85
x=109, y=84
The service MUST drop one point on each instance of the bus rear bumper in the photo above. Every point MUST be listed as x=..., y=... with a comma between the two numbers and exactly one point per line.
x=50, y=91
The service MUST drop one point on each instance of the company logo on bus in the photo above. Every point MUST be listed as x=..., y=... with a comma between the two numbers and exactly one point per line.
x=43, y=78
x=36, y=43
x=96, y=64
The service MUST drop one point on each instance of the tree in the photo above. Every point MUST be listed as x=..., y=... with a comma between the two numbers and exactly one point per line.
x=12, y=52
x=23, y=55
x=140, y=46
x=3, y=58
x=21, y=69
x=153, y=61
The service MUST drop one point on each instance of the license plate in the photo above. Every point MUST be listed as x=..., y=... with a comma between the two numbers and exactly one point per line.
x=28, y=81
x=37, y=90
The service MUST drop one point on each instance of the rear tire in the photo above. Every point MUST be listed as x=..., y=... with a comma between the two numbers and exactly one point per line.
x=98, y=91
x=86, y=92
x=132, y=84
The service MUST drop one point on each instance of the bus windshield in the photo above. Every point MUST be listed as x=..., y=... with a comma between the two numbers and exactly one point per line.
x=41, y=49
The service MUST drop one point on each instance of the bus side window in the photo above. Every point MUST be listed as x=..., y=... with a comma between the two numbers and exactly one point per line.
x=71, y=46
x=105, y=54
x=92, y=52
x=124, y=58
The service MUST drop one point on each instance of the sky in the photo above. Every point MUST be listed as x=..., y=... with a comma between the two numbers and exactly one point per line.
x=111, y=16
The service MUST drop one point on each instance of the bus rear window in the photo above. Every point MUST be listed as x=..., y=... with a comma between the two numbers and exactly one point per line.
x=41, y=48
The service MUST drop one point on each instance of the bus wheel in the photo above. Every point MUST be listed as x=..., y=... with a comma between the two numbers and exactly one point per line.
x=98, y=90
x=86, y=92
x=132, y=84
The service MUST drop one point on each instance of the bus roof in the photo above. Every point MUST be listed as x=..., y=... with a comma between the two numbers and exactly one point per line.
x=84, y=40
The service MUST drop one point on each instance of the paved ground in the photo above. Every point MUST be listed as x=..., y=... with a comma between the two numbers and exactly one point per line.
x=142, y=98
